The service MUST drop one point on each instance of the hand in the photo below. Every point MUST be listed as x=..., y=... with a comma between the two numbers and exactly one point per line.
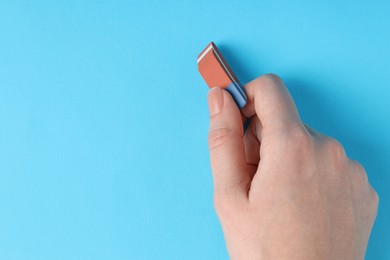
x=282, y=190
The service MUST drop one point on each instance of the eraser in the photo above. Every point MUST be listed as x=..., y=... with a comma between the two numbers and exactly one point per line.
x=217, y=73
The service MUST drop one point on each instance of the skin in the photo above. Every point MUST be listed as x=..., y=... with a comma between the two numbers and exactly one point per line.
x=283, y=190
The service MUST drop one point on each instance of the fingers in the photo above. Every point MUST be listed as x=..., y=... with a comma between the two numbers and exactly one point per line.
x=281, y=132
x=227, y=152
x=270, y=100
x=360, y=183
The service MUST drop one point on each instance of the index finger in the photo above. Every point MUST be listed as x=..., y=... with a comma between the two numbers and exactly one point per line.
x=269, y=98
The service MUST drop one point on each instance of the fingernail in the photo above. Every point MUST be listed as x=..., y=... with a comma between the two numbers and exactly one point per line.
x=215, y=100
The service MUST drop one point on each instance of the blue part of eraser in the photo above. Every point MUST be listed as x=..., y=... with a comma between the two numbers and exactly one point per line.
x=238, y=93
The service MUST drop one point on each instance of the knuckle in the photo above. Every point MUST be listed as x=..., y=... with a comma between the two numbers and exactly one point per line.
x=300, y=139
x=269, y=81
x=374, y=196
x=374, y=202
x=360, y=171
x=295, y=145
x=336, y=150
x=273, y=77
x=218, y=137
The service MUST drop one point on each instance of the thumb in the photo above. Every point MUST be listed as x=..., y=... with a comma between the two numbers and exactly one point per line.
x=227, y=151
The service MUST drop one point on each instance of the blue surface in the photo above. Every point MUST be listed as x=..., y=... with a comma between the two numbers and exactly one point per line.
x=103, y=116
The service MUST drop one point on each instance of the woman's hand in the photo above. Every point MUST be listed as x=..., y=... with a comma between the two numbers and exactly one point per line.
x=282, y=190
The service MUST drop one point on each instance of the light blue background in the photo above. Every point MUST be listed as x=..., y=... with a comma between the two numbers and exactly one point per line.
x=103, y=116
